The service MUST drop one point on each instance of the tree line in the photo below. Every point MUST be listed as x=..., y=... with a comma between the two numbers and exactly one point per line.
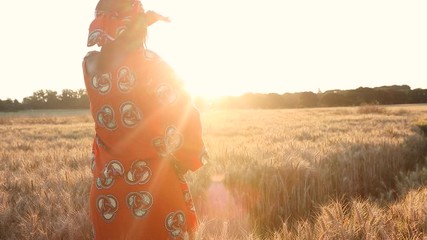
x=384, y=95
x=48, y=99
x=70, y=99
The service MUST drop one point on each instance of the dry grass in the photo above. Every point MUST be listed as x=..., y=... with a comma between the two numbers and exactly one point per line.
x=44, y=184
x=363, y=219
x=274, y=174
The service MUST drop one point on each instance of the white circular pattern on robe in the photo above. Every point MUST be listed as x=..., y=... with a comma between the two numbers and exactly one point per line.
x=170, y=142
x=166, y=94
x=107, y=206
x=102, y=83
x=126, y=79
x=139, y=173
x=175, y=223
x=100, y=143
x=110, y=172
x=120, y=30
x=105, y=117
x=130, y=114
x=140, y=203
x=92, y=162
x=93, y=233
x=92, y=39
x=173, y=139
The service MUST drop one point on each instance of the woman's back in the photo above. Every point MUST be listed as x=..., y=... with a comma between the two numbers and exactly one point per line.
x=148, y=134
x=123, y=104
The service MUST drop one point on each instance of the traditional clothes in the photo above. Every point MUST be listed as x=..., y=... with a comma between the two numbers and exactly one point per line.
x=148, y=135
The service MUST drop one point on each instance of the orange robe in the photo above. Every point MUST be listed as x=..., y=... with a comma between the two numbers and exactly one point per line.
x=148, y=134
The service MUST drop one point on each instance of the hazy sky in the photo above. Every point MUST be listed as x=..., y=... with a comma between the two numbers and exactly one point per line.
x=229, y=47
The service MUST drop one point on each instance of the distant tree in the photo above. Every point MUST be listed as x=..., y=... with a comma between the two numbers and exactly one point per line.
x=2, y=106
x=83, y=99
x=402, y=88
x=274, y=100
x=308, y=99
x=52, y=100
x=36, y=101
x=68, y=98
x=417, y=96
x=333, y=99
x=17, y=105
x=365, y=96
x=6, y=105
x=383, y=97
x=74, y=99
x=10, y=105
x=290, y=100
x=398, y=96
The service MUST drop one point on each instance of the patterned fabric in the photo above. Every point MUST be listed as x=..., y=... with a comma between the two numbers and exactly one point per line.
x=108, y=25
x=147, y=135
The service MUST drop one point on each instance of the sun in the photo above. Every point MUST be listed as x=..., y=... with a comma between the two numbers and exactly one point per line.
x=198, y=73
x=195, y=53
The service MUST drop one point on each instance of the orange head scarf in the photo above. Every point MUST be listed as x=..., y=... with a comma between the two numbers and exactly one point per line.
x=110, y=23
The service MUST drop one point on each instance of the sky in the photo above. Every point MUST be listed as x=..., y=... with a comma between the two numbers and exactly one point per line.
x=229, y=47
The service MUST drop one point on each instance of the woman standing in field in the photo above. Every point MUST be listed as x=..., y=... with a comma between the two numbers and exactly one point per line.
x=148, y=134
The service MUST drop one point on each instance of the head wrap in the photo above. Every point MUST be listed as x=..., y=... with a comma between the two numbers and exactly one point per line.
x=109, y=24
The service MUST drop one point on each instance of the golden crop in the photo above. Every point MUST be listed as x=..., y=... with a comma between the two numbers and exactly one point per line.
x=332, y=173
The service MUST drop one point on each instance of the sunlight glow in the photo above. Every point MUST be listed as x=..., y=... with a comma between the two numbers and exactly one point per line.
x=233, y=47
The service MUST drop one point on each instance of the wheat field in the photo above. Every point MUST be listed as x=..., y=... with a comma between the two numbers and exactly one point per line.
x=325, y=173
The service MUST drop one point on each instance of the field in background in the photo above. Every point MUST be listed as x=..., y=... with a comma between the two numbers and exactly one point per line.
x=46, y=113
x=332, y=173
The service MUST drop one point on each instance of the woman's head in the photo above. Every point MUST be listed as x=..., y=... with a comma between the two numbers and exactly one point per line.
x=112, y=17
x=118, y=6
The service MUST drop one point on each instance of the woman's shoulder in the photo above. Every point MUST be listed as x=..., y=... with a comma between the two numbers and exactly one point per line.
x=90, y=62
x=154, y=59
x=150, y=55
x=91, y=54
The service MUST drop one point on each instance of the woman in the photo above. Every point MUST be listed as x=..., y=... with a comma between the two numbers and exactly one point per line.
x=148, y=134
